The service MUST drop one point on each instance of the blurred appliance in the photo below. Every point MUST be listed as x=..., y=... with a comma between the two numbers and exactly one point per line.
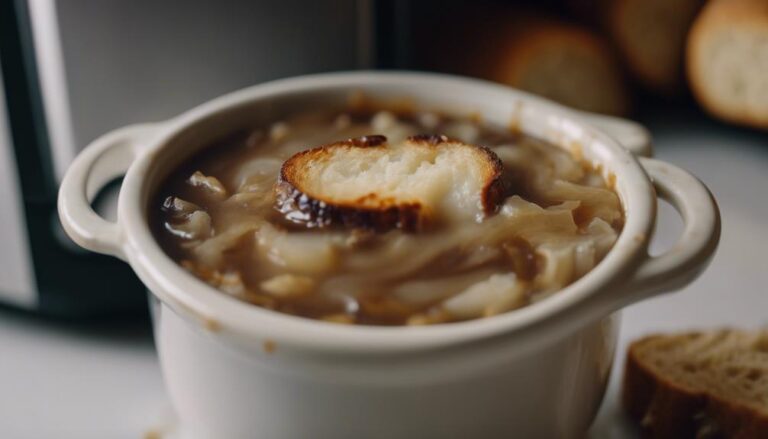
x=73, y=70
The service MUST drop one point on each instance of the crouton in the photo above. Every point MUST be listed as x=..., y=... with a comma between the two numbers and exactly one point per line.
x=369, y=183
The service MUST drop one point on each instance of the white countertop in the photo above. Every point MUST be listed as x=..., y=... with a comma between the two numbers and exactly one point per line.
x=103, y=380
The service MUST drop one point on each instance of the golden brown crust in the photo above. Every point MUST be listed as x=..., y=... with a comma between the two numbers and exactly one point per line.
x=728, y=16
x=526, y=49
x=372, y=211
x=654, y=58
x=665, y=409
x=523, y=47
x=661, y=408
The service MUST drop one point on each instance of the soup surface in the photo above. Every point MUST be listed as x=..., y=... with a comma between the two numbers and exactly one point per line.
x=217, y=215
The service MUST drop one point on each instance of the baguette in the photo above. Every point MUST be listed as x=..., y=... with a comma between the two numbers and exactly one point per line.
x=699, y=385
x=563, y=62
x=371, y=184
x=727, y=60
x=649, y=36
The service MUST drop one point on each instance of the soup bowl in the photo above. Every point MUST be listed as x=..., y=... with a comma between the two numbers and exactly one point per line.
x=234, y=370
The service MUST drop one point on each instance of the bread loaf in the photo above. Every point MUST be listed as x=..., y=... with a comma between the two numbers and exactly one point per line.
x=650, y=35
x=727, y=60
x=699, y=385
x=565, y=63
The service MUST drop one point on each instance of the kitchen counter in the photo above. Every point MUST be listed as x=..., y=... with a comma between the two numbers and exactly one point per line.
x=102, y=380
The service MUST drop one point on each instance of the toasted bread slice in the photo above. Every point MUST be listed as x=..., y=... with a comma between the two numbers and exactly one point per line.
x=534, y=56
x=727, y=60
x=509, y=43
x=699, y=384
x=650, y=36
x=369, y=183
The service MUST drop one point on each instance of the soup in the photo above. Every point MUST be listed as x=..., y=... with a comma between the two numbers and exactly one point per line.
x=540, y=220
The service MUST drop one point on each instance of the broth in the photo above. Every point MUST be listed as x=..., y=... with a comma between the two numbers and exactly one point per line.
x=216, y=216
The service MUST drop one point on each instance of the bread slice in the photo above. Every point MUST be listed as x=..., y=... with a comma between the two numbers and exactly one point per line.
x=650, y=35
x=563, y=62
x=699, y=384
x=524, y=48
x=727, y=60
x=369, y=183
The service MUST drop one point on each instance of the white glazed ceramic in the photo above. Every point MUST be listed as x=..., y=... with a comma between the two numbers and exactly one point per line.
x=234, y=370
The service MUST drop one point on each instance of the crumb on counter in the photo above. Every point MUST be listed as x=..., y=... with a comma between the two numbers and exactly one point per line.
x=269, y=346
x=211, y=324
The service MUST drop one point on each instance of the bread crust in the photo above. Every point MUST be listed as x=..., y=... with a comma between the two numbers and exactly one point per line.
x=716, y=16
x=300, y=205
x=523, y=48
x=667, y=409
x=664, y=76
x=526, y=45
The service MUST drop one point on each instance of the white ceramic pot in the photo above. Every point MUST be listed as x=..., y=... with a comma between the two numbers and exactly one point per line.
x=234, y=370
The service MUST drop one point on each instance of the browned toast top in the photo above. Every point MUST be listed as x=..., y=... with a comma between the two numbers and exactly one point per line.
x=370, y=183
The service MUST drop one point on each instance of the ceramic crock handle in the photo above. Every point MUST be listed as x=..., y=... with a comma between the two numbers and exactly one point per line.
x=701, y=233
x=105, y=159
x=630, y=135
